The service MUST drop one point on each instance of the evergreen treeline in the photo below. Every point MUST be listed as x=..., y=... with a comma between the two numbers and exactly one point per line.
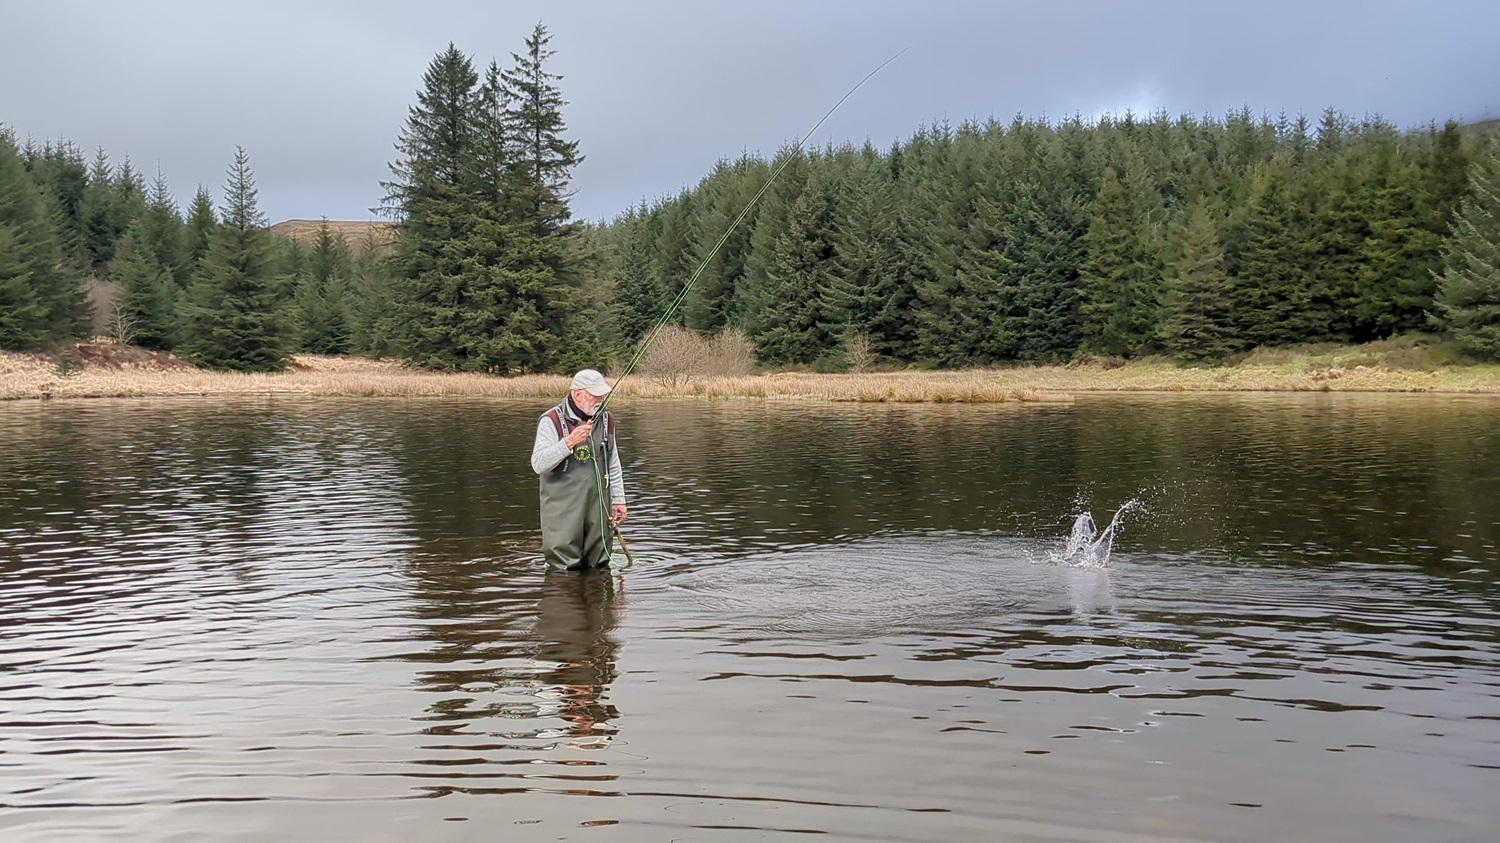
x=988, y=243
x=210, y=284
x=1036, y=242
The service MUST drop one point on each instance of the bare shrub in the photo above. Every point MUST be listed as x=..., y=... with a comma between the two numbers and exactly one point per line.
x=676, y=355
x=671, y=354
x=122, y=324
x=859, y=352
x=730, y=355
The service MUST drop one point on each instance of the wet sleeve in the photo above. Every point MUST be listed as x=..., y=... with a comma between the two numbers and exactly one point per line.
x=549, y=449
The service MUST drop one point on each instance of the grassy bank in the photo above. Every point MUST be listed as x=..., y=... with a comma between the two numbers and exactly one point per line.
x=102, y=370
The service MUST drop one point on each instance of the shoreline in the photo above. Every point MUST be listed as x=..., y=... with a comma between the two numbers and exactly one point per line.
x=103, y=371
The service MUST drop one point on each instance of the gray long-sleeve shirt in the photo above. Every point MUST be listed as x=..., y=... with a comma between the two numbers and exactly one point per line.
x=550, y=449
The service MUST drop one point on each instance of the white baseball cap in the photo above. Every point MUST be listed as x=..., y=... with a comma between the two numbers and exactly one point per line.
x=590, y=380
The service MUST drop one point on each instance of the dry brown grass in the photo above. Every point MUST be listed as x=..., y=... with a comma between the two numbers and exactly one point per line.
x=104, y=370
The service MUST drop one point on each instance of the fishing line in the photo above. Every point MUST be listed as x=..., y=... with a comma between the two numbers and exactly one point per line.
x=599, y=412
x=682, y=296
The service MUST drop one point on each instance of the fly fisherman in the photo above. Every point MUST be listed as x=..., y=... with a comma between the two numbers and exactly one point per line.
x=583, y=487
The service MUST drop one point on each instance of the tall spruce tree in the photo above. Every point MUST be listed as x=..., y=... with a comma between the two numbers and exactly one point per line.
x=62, y=174
x=41, y=302
x=724, y=195
x=106, y=208
x=232, y=317
x=1199, y=300
x=375, y=306
x=431, y=198
x=795, y=260
x=163, y=232
x=1122, y=278
x=321, y=298
x=1045, y=250
x=640, y=294
x=1468, y=297
x=1396, y=282
x=864, y=294
x=22, y=317
x=1276, y=294
x=198, y=233
x=147, y=312
x=550, y=313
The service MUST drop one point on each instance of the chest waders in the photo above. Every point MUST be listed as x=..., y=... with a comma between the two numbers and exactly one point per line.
x=575, y=498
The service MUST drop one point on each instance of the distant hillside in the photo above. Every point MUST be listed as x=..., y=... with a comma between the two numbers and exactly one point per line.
x=360, y=234
x=1483, y=127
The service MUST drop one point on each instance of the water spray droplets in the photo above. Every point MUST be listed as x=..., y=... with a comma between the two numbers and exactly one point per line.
x=1089, y=547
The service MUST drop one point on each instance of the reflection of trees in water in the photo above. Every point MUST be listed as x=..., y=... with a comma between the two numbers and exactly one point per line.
x=1260, y=476
x=1341, y=477
x=807, y=473
x=467, y=475
x=136, y=483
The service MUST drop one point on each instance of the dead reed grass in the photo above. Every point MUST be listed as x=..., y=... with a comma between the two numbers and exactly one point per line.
x=98, y=370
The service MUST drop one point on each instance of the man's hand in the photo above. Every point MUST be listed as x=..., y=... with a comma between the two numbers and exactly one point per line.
x=617, y=513
x=579, y=435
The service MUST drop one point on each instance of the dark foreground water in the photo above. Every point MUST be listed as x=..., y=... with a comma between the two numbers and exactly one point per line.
x=327, y=620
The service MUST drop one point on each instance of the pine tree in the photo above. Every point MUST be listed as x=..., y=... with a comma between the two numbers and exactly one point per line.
x=149, y=292
x=1199, y=297
x=375, y=307
x=1121, y=279
x=724, y=194
x=431, y=197
x=641, y=296
x=549, y=308
x=1468, y=298
x=61, y=174
x=672, y=246
x=232, y=318
x=1276, y=299
x=940, y=199
x=22, y=320
x=1448, y=175
x=865, y=295
x=1046, y=248
x=789, y=279
x=201, y=224
x=1396, y=282
x=321, y=296
x=1340, y=225
x=41, y=303
x=162, y=231
x=105, y=209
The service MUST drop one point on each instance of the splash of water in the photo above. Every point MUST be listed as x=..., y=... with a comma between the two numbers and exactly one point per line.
x=1088, y=546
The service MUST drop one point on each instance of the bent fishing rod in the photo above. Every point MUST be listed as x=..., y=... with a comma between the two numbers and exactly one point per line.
x=677, y=303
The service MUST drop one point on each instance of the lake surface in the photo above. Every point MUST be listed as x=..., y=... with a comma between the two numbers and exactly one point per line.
x=328, y=619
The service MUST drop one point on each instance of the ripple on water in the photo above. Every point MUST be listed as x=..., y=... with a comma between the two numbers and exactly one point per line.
x=326, y=619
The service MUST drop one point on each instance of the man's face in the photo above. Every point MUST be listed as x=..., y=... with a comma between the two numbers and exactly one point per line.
x=586, y=401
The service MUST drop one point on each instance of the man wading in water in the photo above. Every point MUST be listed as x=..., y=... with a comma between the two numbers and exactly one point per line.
x=581, y=479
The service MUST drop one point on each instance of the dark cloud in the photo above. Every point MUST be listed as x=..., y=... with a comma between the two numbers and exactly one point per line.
x=317, y=91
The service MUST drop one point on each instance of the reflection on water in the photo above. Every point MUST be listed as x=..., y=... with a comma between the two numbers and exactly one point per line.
x=328, y=620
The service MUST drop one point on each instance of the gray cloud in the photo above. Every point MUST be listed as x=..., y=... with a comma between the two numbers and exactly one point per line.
x=658, y=90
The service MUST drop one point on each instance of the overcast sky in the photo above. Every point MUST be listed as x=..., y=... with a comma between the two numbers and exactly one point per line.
x=660, y=89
